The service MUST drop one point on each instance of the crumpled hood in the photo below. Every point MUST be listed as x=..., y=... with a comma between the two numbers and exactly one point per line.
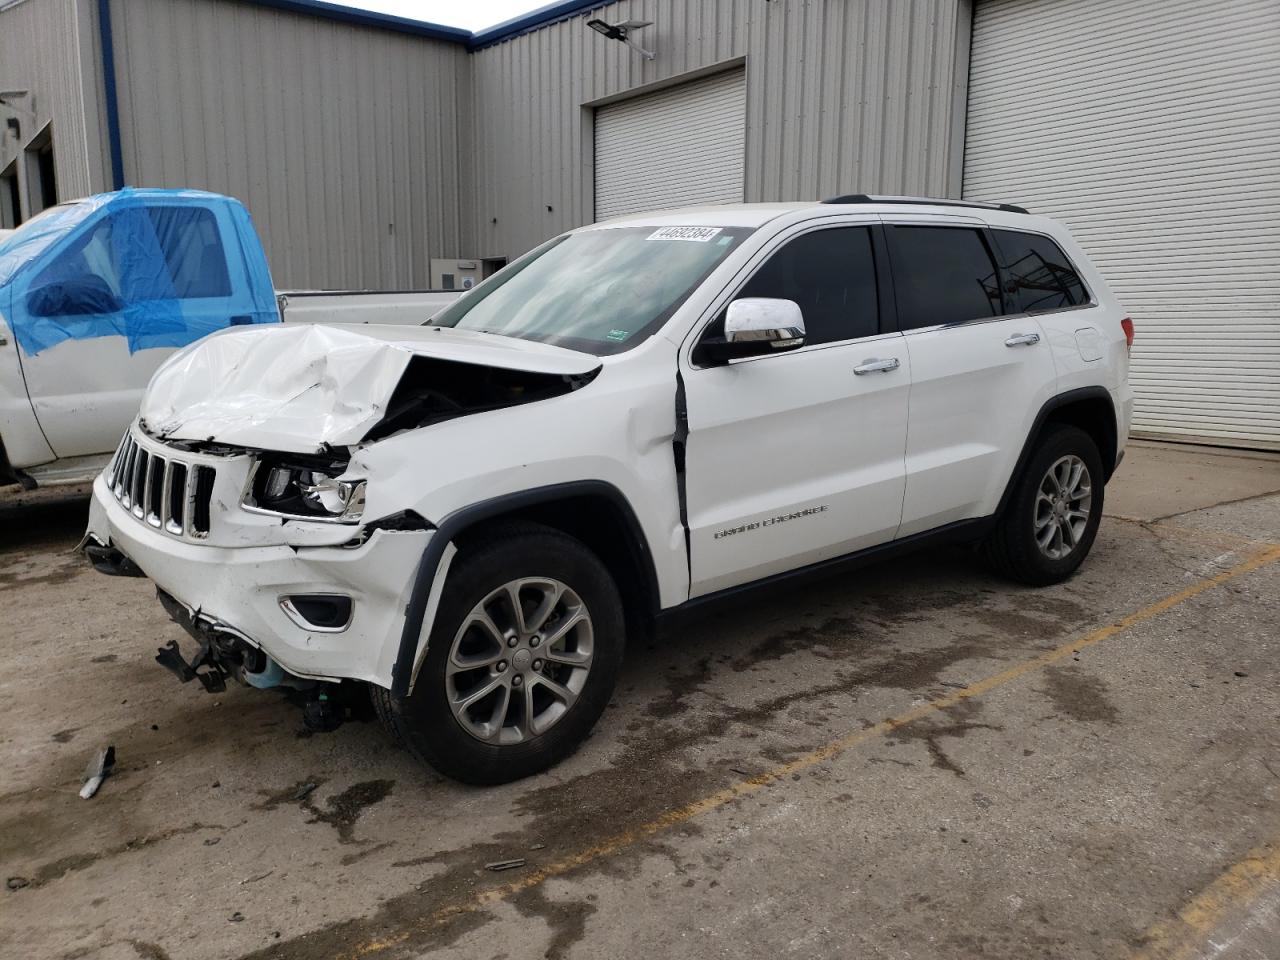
x=298, y=388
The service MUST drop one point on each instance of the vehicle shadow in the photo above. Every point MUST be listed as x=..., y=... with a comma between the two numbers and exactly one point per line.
x=46, y=517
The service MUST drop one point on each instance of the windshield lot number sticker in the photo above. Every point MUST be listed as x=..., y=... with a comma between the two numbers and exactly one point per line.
x=694, y=234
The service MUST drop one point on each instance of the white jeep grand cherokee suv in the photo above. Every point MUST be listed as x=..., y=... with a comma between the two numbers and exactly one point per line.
x=472, y=516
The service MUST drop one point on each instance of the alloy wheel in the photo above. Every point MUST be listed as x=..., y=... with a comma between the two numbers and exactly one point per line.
x=1063, y=503
x=519, y=660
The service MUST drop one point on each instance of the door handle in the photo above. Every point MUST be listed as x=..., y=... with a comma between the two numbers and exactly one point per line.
x=1022, y=340
x=876, y=366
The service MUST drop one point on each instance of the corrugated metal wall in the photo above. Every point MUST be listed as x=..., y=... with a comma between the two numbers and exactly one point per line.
x=340, y=140
x=50, y=48
x=1153, y=130
x=842, y=95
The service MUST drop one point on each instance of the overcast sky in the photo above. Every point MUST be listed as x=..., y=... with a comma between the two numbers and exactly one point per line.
x=468, y=14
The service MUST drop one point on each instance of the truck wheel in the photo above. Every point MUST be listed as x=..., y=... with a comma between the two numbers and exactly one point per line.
x=1051, y=520
x=521, y=661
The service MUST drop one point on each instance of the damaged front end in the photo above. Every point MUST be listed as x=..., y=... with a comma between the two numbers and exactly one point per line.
x=316, y=389
x=221, y=653
x=267, y=491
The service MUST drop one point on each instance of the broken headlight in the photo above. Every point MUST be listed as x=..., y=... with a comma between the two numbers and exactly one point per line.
x=305, y=490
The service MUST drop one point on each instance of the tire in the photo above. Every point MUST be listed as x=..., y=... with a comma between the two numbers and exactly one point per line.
x=1036, y=511
x=553, y=573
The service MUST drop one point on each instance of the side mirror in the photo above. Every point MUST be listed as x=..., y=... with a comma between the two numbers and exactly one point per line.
x=78, y=297
x=754, y=326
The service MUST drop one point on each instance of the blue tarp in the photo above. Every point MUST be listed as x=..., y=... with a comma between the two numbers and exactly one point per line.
x=161, y=268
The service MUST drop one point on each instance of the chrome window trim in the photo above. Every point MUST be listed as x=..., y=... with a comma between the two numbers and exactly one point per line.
x=1000, y=319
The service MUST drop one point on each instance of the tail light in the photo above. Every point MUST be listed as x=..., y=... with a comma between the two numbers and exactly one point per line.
x=1127, y=326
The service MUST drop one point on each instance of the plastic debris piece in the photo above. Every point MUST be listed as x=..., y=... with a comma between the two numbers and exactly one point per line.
x=261, y=876
x=17, y=883
x=98, y=770
x=303, y=791
x=236, y=917
x=499, y=865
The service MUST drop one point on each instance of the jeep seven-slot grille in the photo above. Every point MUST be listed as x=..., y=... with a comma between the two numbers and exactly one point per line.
x=167, y=494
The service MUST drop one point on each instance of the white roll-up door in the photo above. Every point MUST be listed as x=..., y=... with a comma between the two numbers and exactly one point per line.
x=1152, y=128
x=680, y=146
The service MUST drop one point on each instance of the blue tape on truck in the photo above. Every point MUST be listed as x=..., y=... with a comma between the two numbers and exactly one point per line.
x=161, y=268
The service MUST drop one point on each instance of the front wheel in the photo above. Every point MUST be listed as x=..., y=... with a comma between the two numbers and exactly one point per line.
x=521, y=661
x=1050, y=522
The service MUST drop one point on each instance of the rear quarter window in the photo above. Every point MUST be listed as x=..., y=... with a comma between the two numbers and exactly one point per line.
x=1040, y=275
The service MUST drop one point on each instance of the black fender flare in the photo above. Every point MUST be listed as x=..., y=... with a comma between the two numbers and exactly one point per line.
x=1056, y=403
x=448, y=529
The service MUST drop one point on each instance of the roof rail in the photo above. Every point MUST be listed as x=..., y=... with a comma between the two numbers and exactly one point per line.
x=865, y=198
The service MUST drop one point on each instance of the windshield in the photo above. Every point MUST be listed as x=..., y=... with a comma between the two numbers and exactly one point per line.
x=598, y=292
x=37, y=234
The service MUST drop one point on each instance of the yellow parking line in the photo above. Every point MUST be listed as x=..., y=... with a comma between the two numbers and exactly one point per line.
x=1184, y=936
x=742, y=788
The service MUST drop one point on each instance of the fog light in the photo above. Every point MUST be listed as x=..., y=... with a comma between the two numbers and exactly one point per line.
x=326, y=612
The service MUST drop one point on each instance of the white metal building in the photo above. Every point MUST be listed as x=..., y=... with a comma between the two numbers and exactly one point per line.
x=369, y=147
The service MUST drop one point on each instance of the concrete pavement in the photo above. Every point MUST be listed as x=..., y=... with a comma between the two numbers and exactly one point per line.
x=914, y=761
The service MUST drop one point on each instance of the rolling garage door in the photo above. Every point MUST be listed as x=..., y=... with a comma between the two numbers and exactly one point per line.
x=1153, y=130
x=679, y=146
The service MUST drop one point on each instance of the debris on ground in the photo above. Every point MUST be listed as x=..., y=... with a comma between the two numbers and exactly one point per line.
x=499, y=865
x=17, y=883
x=261, y=876
x=97, y=771
x=302, y=791
x=322, y=715
x=236, y=917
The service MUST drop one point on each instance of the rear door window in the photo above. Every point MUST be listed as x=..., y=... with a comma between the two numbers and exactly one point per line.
x=1040, y=275
x=943, y=275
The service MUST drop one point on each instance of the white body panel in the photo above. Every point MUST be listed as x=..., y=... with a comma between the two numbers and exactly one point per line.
x=793, y=459
x=972, y=398
x=86, y=392
x=795, y=454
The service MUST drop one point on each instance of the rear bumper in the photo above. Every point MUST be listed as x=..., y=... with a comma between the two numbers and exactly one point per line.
x=239, y=590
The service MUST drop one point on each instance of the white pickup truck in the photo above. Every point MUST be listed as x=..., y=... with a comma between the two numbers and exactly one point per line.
x=95, y=294
x=473, y=516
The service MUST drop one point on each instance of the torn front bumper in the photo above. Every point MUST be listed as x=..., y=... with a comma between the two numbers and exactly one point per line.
x=245, y=590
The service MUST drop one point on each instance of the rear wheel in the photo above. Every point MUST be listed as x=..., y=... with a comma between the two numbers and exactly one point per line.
x=1050, y=522
x=522, y=659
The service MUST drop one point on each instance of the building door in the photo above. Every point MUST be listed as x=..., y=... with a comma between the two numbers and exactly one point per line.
x=1151, y=130
x=680, y=146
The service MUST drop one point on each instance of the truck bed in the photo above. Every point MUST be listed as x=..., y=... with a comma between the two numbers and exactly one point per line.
x=410, y=307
